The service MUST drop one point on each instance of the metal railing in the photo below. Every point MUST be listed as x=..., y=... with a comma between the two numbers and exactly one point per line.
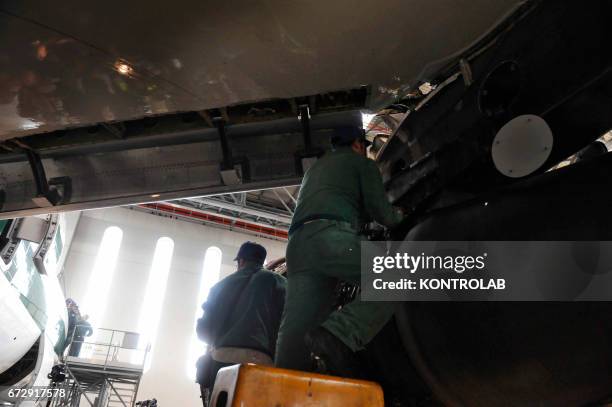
x=110, y=348
x=102, y=370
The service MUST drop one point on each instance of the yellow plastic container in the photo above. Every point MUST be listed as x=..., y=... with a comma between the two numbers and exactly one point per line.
x=250, y=385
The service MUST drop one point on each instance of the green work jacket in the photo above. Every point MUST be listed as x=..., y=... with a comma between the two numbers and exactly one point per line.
x=255, y=313
x=346, y=185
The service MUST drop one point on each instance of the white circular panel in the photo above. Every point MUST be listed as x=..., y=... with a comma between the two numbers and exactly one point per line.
x=522, y=145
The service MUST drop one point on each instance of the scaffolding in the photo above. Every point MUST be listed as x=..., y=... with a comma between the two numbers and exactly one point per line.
x=104, y=371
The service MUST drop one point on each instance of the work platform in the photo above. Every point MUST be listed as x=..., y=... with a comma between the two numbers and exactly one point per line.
x=106, y=372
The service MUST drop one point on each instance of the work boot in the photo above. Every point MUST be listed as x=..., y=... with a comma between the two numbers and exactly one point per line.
x=330, y=355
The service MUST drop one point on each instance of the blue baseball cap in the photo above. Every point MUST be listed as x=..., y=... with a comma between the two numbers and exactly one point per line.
x=252, y=251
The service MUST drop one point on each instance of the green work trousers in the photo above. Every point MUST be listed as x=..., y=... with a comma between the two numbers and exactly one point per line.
x=320, y=254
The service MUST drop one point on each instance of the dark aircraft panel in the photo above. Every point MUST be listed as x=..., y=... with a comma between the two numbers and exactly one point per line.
x=72, y=63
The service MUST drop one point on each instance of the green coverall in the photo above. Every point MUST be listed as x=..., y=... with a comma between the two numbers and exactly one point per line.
x=342, y=184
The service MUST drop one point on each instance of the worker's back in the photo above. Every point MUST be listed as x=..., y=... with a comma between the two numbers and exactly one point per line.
x=340, y=192
x=241, y=319
x=256, y=299
x=345, y=186
x=332, y=187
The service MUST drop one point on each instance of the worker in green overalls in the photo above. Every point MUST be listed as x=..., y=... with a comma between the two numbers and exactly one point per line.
x=341, y=192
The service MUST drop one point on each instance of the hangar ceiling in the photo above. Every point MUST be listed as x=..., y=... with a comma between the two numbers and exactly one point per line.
x=265, y=213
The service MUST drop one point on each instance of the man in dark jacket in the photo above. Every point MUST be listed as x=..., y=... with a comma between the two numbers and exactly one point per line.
x=242, y=315
x=342, y=191
x=82, y=329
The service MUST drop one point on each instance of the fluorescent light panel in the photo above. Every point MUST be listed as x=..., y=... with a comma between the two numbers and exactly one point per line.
x=100, y=281
x=150, y=312
x=210, y=276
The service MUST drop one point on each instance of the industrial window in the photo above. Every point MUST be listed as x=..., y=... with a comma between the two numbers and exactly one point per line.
x=98, y=287
x=150, y=311
x=210, y=275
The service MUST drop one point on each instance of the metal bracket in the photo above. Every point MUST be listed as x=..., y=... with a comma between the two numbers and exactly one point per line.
x=305, y=159
x=233, y=172
x=227, y=163
x=48, y=192
x=45, y=196
x=231, y=176
x=305, y=120
x=63, y=185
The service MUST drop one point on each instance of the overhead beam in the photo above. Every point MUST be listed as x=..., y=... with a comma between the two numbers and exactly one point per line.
x=173, y=132
x=165, y=166
x=244, y=209
x=146, y=198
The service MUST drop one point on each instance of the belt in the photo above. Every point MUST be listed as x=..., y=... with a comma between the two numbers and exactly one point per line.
x=241, y=355
x=318, y=217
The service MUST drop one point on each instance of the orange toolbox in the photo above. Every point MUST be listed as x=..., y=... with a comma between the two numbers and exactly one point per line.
x=250, y=385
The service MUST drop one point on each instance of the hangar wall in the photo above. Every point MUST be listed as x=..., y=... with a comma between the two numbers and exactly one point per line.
x=167, y=380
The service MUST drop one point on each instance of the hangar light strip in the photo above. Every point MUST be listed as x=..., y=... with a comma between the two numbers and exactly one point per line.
x=100, y=281
x=152, y=305
x=211, y=271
